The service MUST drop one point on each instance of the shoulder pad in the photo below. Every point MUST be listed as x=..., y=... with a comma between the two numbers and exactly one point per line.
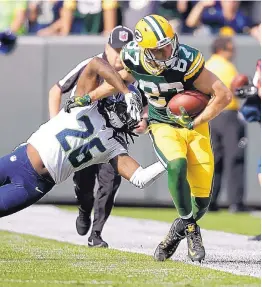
x=195, y=62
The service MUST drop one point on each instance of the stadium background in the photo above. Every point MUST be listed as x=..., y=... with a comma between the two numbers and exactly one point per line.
x=30, y=71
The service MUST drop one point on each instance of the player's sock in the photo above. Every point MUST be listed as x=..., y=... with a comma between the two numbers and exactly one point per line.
x=200, y=206
x=179, y=187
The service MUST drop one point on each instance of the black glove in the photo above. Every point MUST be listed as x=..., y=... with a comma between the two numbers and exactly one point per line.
x=246, y=91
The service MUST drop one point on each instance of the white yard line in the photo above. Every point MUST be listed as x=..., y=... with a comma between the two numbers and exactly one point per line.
x=224, y=251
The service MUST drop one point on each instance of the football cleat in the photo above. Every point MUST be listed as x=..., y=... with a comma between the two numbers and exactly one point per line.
x=83, y=222
x=169, y=245
x=196, y=250
x=95, y=240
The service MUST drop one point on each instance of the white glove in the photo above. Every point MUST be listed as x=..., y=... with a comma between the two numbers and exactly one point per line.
x=133, y=106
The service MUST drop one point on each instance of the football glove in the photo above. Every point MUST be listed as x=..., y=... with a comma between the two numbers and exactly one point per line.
x=77, y=102
x=184, y=120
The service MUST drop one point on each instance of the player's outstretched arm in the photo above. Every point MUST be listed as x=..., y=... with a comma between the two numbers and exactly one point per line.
x=208, y=83
x=130, y=169
x=87, y=80
x=99, y=67
x=106, y=89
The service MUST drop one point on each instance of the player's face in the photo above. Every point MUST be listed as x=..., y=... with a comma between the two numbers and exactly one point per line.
x=162, y=54
x=113, y=57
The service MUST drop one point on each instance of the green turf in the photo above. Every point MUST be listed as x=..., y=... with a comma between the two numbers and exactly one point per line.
x=240, y=223
x=29, y=261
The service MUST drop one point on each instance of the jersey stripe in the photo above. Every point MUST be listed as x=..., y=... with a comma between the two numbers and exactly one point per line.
x=154, y=27
x=195, y=68
x=198, y=57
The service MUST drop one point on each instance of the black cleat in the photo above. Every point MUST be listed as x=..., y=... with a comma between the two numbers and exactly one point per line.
x=196, y=250
x=83, y=222
x=95, y=240
x=169, y=245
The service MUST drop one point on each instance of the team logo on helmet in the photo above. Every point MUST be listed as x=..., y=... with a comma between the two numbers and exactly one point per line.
x=138, y=36
x=123, y=36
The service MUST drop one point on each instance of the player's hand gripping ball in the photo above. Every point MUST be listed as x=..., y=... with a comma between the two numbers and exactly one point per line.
x=184, y=120
x=185, y=106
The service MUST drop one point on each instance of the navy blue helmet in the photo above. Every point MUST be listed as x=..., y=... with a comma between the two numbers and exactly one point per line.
x=7, y=42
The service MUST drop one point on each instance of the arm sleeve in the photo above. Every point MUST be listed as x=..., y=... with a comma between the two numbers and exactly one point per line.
x=143, y=177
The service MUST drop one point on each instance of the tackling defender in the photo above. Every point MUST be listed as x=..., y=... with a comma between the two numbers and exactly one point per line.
x=163, y=67
x=85, y=179
x=71, y=142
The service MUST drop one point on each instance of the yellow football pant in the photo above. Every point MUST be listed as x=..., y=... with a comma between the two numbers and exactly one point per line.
x=172, y=143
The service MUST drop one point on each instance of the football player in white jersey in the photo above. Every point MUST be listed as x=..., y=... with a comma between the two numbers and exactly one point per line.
x=85, y=179
x=70, y=142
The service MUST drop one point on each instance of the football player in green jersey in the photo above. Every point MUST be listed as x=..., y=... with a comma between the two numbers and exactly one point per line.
x=164, y=67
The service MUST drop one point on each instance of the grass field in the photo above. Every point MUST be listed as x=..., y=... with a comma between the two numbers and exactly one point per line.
x=29, y=261
x=239, y=223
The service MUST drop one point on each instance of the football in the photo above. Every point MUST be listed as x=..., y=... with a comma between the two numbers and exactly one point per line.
x=194, y=102
x=239, y=81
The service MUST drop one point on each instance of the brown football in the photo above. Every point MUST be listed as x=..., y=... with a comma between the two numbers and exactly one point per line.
x=194, y=102
x=239, y=81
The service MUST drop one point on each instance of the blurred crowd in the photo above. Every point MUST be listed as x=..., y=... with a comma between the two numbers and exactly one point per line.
x=56, y=17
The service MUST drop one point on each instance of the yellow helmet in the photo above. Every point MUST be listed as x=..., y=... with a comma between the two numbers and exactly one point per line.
x=155, y=32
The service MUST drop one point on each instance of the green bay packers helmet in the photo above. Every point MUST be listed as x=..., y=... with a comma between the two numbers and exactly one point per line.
x=155, y=32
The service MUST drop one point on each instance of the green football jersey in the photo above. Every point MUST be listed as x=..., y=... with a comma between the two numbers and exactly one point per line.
x=160, y=85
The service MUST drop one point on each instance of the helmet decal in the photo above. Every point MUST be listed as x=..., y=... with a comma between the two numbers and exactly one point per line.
x=138, y=36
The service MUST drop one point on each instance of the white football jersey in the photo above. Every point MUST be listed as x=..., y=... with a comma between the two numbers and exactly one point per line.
x=70, y=142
